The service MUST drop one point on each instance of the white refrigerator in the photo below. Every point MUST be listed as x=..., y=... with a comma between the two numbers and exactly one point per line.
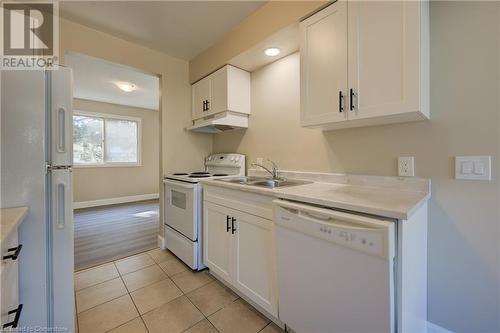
x=36, y=159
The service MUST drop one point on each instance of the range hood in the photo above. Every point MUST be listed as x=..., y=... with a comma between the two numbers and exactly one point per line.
x=220, y=122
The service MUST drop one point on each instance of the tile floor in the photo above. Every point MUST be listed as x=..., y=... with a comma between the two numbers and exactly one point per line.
x=155, y=292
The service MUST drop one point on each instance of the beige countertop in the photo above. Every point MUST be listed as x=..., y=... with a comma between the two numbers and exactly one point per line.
x=10, y=218
x=389, y=199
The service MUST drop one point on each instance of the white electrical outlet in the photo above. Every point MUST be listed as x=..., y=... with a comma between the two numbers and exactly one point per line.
x=259, y=160
x=406, y=166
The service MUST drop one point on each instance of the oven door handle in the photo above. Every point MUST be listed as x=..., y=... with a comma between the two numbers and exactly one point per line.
x=178, y=184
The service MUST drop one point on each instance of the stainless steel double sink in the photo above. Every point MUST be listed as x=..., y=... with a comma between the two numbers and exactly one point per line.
x=264, y=182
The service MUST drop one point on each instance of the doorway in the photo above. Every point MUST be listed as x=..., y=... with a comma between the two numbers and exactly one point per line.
x=116, y=140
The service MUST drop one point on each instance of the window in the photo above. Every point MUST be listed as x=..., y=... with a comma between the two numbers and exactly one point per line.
x=105, y=140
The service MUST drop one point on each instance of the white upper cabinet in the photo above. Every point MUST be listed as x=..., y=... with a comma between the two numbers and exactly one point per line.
x=323, y=65
x=227, y=89
x=387, y=64
x=201, y=96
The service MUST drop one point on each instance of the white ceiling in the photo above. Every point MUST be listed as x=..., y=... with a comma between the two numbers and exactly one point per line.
x=95, y=80
x=287, y=40
x=180, y=28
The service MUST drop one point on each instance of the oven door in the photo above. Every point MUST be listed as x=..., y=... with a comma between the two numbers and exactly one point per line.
x=182, y=207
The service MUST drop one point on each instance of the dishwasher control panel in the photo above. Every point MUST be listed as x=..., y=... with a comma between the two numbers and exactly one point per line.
x=369, y=238
x=371, y=241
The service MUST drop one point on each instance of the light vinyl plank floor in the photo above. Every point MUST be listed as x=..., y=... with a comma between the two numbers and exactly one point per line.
x=104, y=234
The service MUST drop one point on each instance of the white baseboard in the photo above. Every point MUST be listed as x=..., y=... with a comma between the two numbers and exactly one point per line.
x=433, y=328
x=114, y=201
x=161, y=242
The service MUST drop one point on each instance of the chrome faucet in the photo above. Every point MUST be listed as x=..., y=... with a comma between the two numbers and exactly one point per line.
x=275, y=172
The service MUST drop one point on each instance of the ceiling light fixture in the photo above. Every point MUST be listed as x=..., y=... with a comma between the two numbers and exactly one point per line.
x=272, y=51
x=126, y=86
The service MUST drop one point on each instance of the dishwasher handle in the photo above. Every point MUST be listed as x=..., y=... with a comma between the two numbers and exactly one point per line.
x=330, y=216
x=296, y=210
x=328, y=220
x=317, y=216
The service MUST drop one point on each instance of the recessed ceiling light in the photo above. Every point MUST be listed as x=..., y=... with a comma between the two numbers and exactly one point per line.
x=272, y=51
x=126, y=86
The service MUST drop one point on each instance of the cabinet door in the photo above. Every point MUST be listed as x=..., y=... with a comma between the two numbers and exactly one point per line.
x=9, y=280
x=218, y=91
x=384, y=57
x=217, y=239
x=200, y=92
x=323, y=66
x=255, y=265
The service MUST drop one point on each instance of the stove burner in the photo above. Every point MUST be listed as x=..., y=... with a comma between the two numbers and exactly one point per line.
x=220, y=174
x=199, y=175
x=180, y=174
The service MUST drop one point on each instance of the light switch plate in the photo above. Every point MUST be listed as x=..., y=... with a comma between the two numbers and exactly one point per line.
x=473, y=167
x=406, y=166
x=259, y=160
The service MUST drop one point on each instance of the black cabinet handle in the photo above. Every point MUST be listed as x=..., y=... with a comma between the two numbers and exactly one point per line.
x=14, y=323
x=233, y=229
x=208, y=105
x=341, y=107
x=227, y=224
x=14, y=255
x=204, y=106
x=351, y=99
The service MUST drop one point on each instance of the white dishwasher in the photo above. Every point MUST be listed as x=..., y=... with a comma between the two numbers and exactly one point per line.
x=335, y=270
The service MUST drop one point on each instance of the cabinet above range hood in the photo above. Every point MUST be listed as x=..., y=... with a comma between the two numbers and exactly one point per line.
x=220, y=122
x=221, y=101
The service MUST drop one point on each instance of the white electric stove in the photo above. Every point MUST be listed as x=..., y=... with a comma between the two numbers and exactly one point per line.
x=183, y=205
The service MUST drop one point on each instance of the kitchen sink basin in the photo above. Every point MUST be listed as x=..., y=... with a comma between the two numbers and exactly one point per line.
x=242, y=180
x=272, y=183
x=265, y=182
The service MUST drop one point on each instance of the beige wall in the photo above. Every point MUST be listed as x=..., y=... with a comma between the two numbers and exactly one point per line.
x=464, y=259
x=180, y=150
x=94, y=183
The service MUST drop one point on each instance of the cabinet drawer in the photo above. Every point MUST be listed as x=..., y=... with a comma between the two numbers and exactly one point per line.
x=251, y=203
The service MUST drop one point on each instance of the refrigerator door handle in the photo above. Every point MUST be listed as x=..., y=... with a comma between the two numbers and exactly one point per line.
x=61, y=130
x=61, y=197
x=61, y=206
x=61, y=117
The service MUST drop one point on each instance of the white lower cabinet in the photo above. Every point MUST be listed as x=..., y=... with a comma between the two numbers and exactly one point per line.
x=239, y=248
x=9, y=272
x=218, y=241
x=255, y=260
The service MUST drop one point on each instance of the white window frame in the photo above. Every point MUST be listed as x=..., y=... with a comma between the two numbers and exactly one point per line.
x=105, y=116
